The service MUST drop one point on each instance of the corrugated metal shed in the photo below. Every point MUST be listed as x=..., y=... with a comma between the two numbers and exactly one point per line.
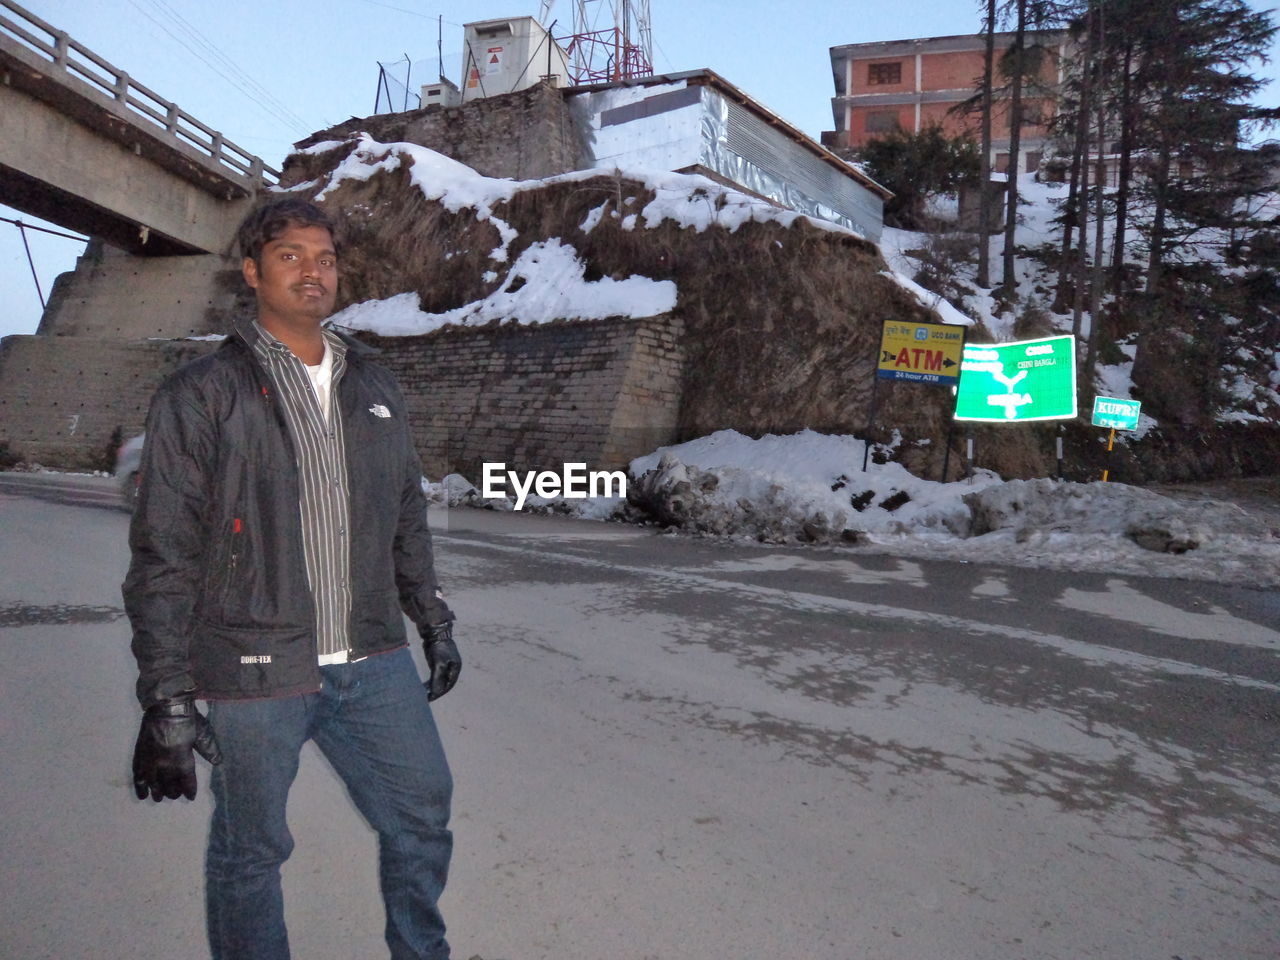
x=699, y=122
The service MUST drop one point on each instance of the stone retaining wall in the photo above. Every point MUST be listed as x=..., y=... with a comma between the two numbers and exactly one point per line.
x=62, y=399
x=525, y=135
x=534, y=397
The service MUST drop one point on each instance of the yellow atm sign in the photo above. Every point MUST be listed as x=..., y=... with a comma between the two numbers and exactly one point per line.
x=921, y=352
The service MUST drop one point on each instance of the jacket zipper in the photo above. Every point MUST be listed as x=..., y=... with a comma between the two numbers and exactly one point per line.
x=236, y=527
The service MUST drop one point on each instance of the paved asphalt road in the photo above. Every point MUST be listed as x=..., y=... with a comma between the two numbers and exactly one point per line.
x=667, y=748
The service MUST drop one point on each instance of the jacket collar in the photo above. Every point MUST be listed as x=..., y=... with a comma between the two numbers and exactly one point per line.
x=243, y=327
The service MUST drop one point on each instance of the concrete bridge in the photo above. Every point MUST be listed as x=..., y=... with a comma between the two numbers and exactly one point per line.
x=85, y=146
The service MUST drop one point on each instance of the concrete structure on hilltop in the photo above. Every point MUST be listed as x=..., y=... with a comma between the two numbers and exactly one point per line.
x=910, y=84
x=503, y=56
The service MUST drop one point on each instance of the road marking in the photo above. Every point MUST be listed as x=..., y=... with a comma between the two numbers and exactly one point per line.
x=1092, y=653
x=907, y=573
x=993, y=588
x=1120, y=601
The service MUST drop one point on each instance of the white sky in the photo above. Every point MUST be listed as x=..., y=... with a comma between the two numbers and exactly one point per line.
x=319, y=58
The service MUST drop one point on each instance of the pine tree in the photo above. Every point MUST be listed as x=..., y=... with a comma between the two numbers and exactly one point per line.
x=1015, y=67
x=1010, y=77
x=1023, y=64
x=1193, y=88
x=1193, y=179
x=984, y=173
x=916, y=166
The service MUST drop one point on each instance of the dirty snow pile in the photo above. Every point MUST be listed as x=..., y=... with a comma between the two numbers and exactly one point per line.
x=810, y=488
x=547, y=281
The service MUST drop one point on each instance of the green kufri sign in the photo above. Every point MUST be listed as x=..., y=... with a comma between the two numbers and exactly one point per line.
x=1116, y=413
x=1018, y=382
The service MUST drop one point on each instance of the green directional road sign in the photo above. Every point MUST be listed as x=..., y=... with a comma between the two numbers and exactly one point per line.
x=1017, y=382
x=1116, y=413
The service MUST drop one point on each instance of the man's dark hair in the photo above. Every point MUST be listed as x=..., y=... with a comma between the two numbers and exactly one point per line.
x=267, y=222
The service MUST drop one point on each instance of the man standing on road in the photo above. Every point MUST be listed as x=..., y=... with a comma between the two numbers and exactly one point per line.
x=280, y=531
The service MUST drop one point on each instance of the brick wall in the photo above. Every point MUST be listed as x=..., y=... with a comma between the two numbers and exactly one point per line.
x=950, y=67
x=61, y=398
x=952, y=124
x=535, y=397
x=957, y=70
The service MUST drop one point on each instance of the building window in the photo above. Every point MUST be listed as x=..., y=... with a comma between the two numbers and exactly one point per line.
x=1002, y=163
x=881, y=74
x=882, y=121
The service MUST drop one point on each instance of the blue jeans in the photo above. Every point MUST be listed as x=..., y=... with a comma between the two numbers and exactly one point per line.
x=371, y=720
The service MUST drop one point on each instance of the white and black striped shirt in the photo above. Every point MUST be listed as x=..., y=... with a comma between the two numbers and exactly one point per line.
x=322, y=482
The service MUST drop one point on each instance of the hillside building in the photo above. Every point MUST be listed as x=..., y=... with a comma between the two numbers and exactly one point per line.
x=911, y=84
x=698, y=122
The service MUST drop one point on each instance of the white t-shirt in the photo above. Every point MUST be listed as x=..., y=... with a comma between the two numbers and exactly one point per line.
x=322, y=379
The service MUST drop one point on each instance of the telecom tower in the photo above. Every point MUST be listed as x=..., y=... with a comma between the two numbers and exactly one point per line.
x=611, y=40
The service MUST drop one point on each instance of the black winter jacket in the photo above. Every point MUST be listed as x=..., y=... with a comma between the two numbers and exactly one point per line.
x=217, y=590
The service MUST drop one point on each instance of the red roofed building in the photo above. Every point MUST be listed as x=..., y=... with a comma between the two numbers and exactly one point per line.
x=910, y=84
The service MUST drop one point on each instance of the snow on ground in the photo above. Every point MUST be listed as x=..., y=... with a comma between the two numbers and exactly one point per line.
x=545, y=283
x=810, y=487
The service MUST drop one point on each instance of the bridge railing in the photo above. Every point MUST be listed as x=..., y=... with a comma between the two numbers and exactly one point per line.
x=78, y=61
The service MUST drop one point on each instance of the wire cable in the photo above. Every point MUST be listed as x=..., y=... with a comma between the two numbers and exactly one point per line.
x=412, y=13
x=230, y=64
x=22, y=229
x=22, y=224
x=283, y=116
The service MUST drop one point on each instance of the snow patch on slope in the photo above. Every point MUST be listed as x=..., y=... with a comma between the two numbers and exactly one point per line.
x=547, y=282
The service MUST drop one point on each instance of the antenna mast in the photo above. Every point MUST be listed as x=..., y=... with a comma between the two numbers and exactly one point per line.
x=611, y=40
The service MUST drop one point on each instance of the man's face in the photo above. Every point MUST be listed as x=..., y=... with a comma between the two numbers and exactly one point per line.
x=295, y=277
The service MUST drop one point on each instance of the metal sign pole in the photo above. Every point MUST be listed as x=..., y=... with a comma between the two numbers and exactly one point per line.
x=871, y=419
x=946, y=450
x=1111, y=443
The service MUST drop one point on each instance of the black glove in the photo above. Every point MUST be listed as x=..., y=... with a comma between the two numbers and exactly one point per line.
x=162, y=760
x=442, y=658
